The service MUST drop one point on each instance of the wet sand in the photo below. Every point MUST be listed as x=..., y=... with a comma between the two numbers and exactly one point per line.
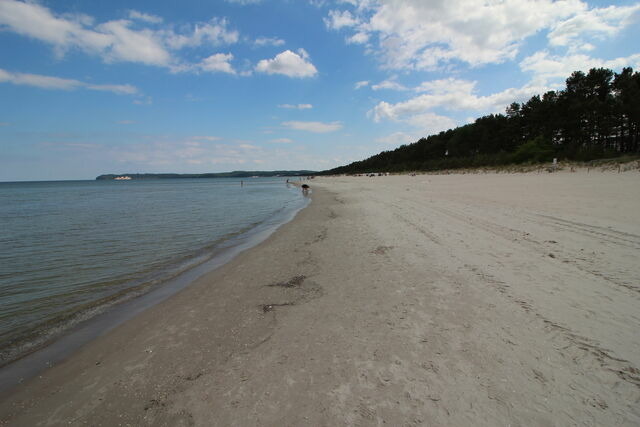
x=479, y=299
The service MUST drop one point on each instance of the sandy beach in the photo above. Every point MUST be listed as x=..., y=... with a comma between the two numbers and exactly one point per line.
x=477, y=299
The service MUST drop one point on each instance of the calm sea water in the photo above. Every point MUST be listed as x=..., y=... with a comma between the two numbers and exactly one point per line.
x=70, y=249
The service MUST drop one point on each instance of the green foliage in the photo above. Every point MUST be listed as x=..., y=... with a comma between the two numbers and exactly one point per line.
x=534, y=151
x=597, y=115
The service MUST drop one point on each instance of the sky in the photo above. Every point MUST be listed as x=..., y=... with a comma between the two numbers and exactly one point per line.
x=90, y=87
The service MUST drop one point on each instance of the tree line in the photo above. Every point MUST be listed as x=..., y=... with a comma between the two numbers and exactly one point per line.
x=597, y=115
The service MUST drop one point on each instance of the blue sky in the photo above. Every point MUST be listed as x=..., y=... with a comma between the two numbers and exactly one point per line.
x=92, y=87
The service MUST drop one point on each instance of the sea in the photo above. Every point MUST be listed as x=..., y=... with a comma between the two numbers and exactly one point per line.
x=71, y=250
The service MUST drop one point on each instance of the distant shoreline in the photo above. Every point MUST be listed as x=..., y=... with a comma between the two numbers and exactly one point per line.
x=234, y=174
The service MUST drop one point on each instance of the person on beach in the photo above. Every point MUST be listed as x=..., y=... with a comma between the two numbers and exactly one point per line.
x=305, y=189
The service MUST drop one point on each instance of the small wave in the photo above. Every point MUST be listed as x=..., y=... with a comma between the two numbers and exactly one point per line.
x=40, y=334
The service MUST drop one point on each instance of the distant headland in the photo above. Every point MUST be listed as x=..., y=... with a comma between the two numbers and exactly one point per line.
x=234, y=174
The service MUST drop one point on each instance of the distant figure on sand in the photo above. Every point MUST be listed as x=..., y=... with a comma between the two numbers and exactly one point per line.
x=305, y=188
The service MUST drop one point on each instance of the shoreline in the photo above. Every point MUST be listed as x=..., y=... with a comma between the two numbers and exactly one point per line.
x=438, y=300
x=57, y=346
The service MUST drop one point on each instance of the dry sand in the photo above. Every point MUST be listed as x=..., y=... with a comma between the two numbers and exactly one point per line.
x=428, y=300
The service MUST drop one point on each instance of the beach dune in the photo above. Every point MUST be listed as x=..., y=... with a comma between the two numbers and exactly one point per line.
x=477, y=299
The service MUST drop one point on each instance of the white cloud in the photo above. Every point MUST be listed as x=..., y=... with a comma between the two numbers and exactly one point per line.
x=296, y=106
x=113, y=40
x=57, y=83
x=289, y=64
x=218, y=62
x=339, y=19
x=125, y=122
x=419, y=34
x=397, y=138
x=282, y=141
x=146, y=17
x=268, y=41
x=318, y=3
x=446, y=87
x=595, y=23
x=33, y=20
x=145, y=100
x=545, y=66
x=215, y=32
x=315, y=127
x=185, y=153
x=124, y=40
x=453, y=95
x=132, y=45
x=358, y=38
x=361, y=84
x=159, y=153
x=390, y=84
x=118, y=89
x=431, y=123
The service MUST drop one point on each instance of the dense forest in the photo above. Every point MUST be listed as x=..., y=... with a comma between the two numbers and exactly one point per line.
x=597, y=115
